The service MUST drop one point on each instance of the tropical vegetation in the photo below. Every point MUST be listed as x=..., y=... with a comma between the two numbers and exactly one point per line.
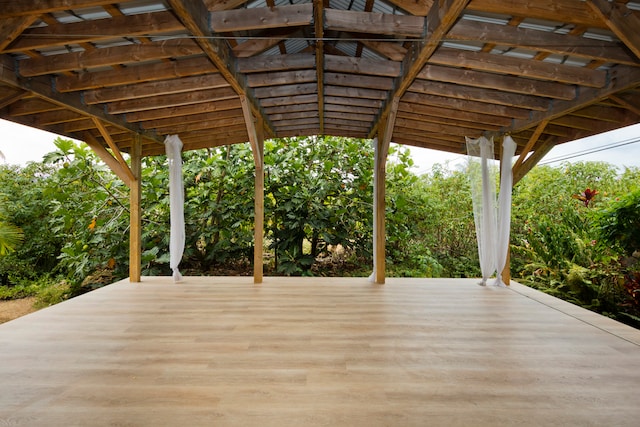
x=64, y=221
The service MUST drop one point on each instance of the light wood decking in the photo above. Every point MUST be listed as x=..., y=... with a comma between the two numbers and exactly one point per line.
x=217, y=351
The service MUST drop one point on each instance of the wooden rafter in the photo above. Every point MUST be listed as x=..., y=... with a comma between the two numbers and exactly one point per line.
x=620, y=78
x=261, y=18
x=114, y=149
x=9, y=8
x=570, y=11
x=541, y=41
x=530, y=144
x=318, y=19
x=41, y=87
x=532, y=160
x=520, y=67
x=11, y=28
x=107, y=158
x=58, y=34
x=439, y=20
x=623, y=22
x=195, y=17
x=625, y=104
x=374, y=23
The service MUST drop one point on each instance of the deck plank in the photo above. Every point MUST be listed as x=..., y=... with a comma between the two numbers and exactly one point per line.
x=317, y=352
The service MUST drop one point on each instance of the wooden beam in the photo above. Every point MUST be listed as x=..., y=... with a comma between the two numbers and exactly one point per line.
x=114, y=149
x=107, y=158
x=362, y=66
x=482, y=61
x=258, y=239
x=374, y=23
x=568, y=11
x=318, y=20
x=41, y=87
x=415, y=7
x=258, y=18
x=96, y=30
x=135, y=213
x=11, y=28
x=623, y=22
x=381, y=153
x=108, y=56
x=271, y=63
x=627, y=105
x=466, y=105
x=501, y=82
x=620, y=78
x=249, y=121
x=195, y=17
x=12, y=98
x=275, y=78
x=440, y=19
x=532, y=160
x=155, y=88
x=541, y=41
x=171, y=100
x=489, y=96
x=530, y=144
x=181, y=67
x=10, y=8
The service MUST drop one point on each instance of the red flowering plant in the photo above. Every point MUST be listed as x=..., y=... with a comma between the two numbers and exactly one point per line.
x=586, y=196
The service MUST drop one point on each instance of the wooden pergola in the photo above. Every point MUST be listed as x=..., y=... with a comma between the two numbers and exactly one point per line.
x=121, y=76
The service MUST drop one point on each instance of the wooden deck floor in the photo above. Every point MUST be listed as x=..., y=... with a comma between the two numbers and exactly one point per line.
x=317, y=352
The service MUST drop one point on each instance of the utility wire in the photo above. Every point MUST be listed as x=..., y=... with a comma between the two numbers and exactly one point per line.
x=611, y=146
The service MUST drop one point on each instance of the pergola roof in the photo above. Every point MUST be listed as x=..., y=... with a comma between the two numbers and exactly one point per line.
x=112, y=73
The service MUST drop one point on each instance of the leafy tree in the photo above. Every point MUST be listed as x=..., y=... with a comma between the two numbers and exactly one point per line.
x=89, y=211
x=318, y=192
x=25, y=204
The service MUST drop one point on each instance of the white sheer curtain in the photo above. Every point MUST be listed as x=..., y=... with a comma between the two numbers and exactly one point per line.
x=173, y=147
x=504, y=206
x=492, y=220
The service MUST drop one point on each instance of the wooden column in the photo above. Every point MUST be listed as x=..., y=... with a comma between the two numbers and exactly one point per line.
x=506, y=271
x=379, y=232
x=256, y=139
x=385, y=131
x=258, y=234
x=135, y=233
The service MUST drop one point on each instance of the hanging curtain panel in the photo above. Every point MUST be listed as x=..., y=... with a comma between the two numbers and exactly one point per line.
x=483, y=192
x=492, y=218
x=173, y=147
x=504, y=206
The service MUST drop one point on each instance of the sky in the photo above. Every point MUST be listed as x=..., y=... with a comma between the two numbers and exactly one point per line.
x=20, y=144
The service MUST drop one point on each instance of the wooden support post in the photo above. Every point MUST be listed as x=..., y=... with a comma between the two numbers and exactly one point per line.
x=379, y=236
x=135, y=213
x=506, y=272
x=379, y=192
x=258, y=268
x=256, y=139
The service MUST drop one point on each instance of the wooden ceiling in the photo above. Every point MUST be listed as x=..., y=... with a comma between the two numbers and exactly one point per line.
x=545, y=71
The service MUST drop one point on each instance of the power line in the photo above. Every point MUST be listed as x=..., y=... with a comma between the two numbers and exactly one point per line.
x=592, y=151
